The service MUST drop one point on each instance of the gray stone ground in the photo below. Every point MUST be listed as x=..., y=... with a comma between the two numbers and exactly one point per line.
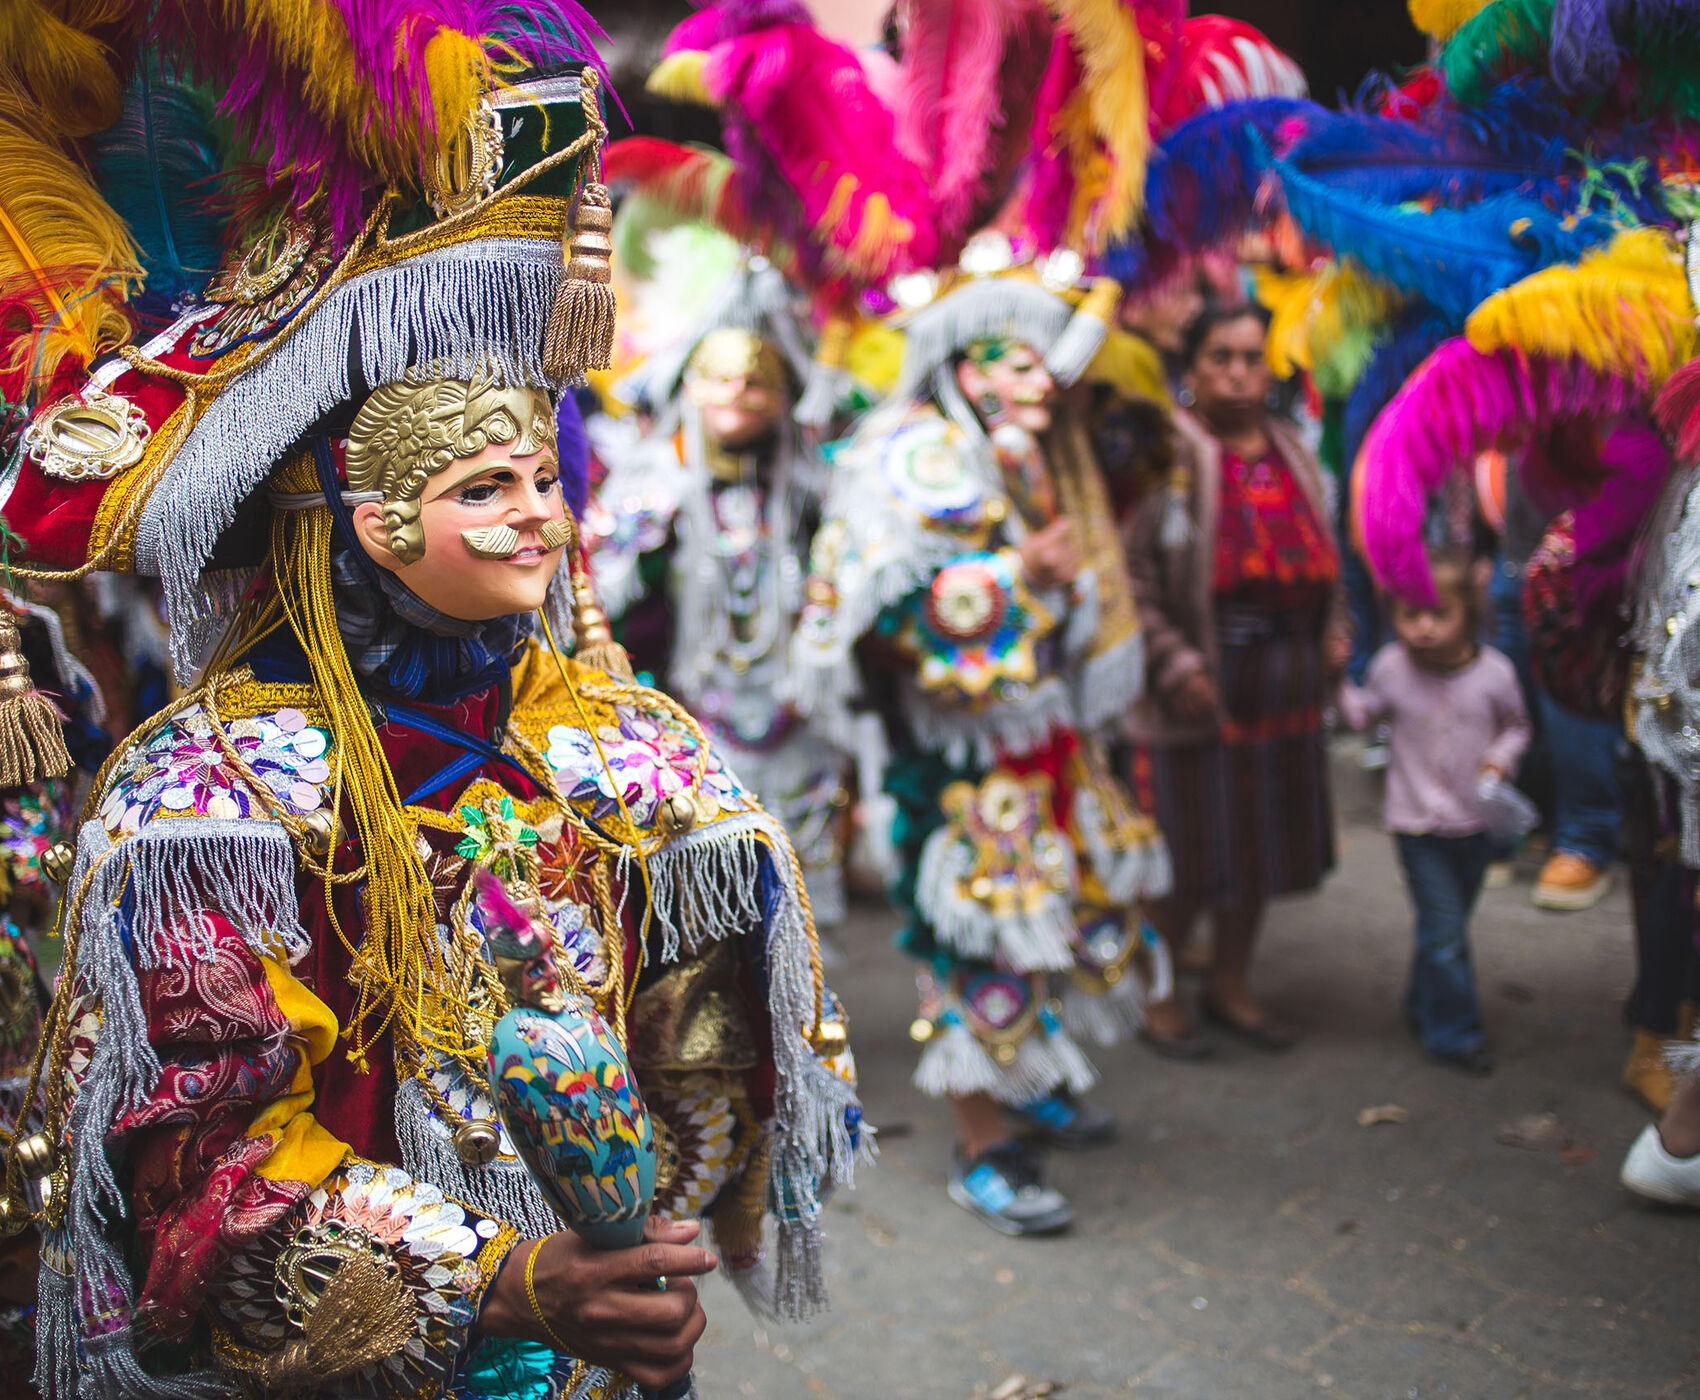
x=1247, y=1240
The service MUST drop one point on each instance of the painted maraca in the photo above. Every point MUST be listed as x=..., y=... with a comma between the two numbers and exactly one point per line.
x=565, y=1090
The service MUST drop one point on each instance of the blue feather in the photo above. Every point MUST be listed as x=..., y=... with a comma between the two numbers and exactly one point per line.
x=1453, y=258
x=1520, y=138
x=158, y=166
x=1202, y=184
x=1410, y=339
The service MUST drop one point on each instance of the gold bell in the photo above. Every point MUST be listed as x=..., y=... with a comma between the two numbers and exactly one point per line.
x=476, y=1142
x=831, y=1039
x=678, y=815
x=1004, y=1054
x=57, y=860
x=35, y=1155
x=921, y=1030
x=321, y=833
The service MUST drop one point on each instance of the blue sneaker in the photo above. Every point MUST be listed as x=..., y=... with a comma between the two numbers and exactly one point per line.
x=1002, y=1187
x=1062, y=1120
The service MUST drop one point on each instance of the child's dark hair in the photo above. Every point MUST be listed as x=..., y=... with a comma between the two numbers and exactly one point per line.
x=1456, y=572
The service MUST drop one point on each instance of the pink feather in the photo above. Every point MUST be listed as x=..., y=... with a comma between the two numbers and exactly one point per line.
x=1160, y=25
x=1678, y=410
x=1457, y=404
x=952, y=100
x=1050, y=177
x=807, y=101
x=715, y=24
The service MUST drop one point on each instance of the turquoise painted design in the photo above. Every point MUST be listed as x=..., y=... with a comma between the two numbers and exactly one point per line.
x=572, y=1109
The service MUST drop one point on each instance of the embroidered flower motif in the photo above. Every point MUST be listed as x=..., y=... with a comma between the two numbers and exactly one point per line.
x=184, y=770
x=639, y=760
x=493, y=831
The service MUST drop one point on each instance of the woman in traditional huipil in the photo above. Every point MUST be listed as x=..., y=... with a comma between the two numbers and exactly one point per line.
x=1237, y=576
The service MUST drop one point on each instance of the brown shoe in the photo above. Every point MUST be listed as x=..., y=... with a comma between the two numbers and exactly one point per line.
x=1646, y=1074
x=1569, y=882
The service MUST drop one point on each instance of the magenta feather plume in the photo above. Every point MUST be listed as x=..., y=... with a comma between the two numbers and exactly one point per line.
x=1677, y=410
x=325, y=92
x=715, y=24
x=1634, y=462
x=1457, y=404
x=951, y=100
x=1050, y=174
x=805, y=99
x=1611, y=482
x=1160, y=24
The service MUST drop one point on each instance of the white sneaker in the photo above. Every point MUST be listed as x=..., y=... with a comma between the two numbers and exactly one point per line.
x=1652, y=1172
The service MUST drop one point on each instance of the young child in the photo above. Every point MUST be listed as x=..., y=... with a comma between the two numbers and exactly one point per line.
x=1456, y=715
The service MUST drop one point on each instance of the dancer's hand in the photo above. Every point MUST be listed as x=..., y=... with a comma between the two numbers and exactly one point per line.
x=1194, y=699
x=603, y=1305
x=1051, y=557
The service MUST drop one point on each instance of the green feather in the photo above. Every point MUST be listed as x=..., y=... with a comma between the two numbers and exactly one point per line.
x=1508, y=36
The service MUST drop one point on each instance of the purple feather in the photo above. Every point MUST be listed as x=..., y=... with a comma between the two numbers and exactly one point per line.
x=1584, y=56
x=572, y=444
x=1590, y=38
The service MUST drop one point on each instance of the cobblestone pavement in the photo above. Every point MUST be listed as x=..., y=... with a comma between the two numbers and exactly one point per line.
x=1247, y=1240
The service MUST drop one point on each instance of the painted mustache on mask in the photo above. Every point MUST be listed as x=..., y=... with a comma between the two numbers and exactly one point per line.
x=503, y=541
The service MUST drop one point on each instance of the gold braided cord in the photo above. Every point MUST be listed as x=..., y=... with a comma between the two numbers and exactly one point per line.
x=398, y=969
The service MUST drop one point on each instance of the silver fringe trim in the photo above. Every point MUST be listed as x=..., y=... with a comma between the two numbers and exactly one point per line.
x=956, y=1064
x=246, y=864
x=481, y=307
x=502, y=1189
x=980, y=309
x=1013, y=726
x=1667, y=631
x=1036, y=942
x=1129, y=872
x=1108, y=683
x=124, y=1069
x=1104, y=1018
x=55, y=1333
x=706, y=885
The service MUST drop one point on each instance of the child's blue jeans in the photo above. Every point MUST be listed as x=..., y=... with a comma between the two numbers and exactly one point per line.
x=1444, y=874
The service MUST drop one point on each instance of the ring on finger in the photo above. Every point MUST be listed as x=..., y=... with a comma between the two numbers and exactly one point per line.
x=661, y=1283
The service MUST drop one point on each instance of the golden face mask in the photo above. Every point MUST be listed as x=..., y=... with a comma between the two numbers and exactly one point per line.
x=407, y=432
x=725, y=357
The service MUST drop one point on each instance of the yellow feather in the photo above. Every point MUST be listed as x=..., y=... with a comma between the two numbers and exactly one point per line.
x=309, y=39
x=1130, y=366
x=1112, y=59
x=678, y=78
x=46, y=51
x=65, y=257
x=1323, y=320
x=1624, y=309
x=1440, y=18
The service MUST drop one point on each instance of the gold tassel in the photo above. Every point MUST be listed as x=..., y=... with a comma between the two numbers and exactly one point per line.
x=581, y=323
x=32, y=741
x=364, y=1315
x=596, y=645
